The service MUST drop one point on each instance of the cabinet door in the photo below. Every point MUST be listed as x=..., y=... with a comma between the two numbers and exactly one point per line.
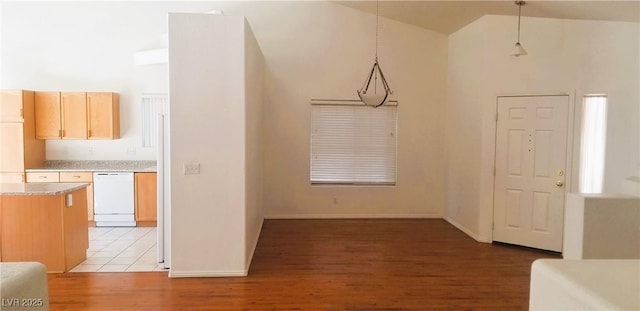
x=76, y=235
x=11, y=106
x=11, y=147
x=103, y=115
x=48, y=118
x=34, y=152
x=12, y=178
x=74, y=115
x=146, y=200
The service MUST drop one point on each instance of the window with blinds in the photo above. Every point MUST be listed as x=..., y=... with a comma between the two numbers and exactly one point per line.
x=353, y=144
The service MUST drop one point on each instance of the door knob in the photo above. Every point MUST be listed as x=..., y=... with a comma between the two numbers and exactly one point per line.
x=559, y=183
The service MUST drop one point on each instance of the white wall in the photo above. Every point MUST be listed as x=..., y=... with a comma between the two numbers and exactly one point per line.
x=565, y=56
x=466, y=87
x=322, y=50
x=254, y=97
x=207, y=107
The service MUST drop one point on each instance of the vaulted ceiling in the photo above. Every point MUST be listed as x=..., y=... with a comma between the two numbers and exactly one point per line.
x=448, y=16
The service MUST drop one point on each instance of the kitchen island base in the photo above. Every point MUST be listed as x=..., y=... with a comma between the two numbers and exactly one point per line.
x=48, y=228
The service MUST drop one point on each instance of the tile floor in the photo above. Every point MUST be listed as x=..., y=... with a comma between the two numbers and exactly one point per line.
x=120, y=249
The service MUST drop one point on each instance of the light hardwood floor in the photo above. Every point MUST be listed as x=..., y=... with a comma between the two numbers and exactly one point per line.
x=400, y=264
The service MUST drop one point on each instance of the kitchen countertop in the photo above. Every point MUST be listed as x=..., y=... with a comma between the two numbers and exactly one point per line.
x=96, y=166
x=39, y=188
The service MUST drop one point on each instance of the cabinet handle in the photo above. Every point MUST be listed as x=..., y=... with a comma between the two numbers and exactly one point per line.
x=43, y=176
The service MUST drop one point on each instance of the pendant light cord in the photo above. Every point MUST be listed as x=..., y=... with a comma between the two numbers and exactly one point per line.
x=519, y=12
x=520, y=3
x=375, y=83
x=377, y=30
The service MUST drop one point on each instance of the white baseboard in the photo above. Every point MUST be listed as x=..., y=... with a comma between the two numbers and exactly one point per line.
x=466, y=230
x=350, y=216
x=204, y=274
x=253, y=250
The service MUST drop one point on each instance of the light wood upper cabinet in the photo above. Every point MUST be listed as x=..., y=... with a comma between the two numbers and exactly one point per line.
x=77, y=115
x=19, y=148
x=11, y=105
x=74, y=115
x=145, y=196
x=61, y=115
x=48, y=115
x=103, y=115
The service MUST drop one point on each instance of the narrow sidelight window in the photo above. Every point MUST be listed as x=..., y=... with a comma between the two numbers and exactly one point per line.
x=592, y=152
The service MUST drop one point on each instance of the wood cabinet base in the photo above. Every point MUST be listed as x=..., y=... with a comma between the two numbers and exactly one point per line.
x=146, y=223
x=42, y=228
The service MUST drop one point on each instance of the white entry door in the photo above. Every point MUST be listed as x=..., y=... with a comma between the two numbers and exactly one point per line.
x=531, y=149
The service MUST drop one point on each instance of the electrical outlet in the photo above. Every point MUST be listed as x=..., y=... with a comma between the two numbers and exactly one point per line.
x=191, y=168
x=131, y=151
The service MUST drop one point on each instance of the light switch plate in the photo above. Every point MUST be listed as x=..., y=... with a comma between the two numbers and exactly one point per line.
x=191, y=168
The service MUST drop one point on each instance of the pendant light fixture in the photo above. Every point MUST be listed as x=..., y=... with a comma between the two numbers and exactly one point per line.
x=518, y=50
x=369, y=93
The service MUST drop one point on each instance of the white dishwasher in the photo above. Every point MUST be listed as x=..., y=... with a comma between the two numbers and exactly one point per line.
x=113, y=199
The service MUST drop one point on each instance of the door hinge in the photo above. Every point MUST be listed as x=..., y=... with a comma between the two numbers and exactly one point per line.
x=21, y=112
x=61, y=133
x=494, y=171
x=496, y=117
x=88, y=133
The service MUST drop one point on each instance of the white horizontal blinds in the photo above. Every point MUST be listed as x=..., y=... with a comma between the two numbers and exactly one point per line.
x=353, y=144
x=592, y=152
x=152, y=105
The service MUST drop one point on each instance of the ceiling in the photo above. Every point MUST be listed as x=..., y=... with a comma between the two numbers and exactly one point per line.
x=448, y=16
